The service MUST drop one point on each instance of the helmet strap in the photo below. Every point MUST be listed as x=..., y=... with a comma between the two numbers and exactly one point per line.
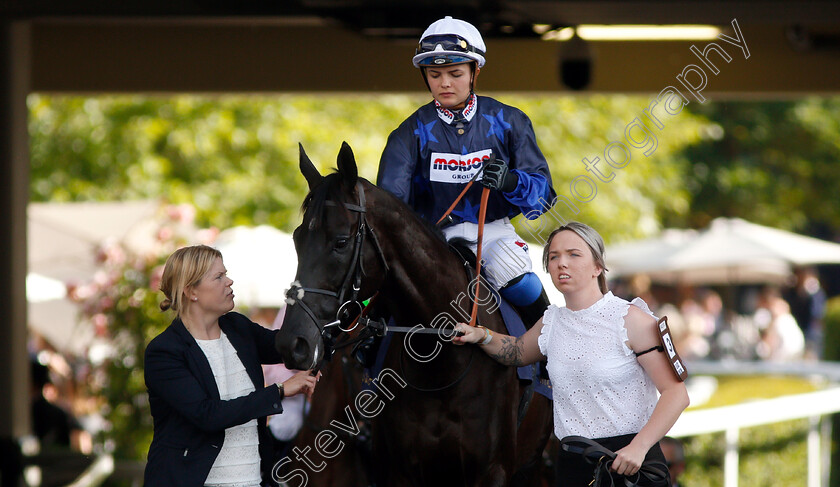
x=425, y=80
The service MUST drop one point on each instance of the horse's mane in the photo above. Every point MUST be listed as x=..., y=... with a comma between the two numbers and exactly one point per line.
x=459, y=244
x=333, y=188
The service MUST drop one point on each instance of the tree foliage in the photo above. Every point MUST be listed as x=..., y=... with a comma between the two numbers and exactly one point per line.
x=632, y=204
x=235, y=157
x=774, y=163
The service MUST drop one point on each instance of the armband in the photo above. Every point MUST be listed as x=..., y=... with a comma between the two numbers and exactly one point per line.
x=674, y=359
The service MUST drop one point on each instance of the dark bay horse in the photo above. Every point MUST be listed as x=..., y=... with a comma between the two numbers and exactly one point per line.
x=340, y=383
x=441, y=414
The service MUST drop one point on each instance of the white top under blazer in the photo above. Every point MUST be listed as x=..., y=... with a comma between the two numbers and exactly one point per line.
x=238, y=462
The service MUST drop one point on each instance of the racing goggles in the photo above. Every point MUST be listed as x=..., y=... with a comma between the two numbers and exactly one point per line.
x=448, y=42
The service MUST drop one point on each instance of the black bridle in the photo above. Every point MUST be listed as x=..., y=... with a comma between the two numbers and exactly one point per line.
x=352, y=283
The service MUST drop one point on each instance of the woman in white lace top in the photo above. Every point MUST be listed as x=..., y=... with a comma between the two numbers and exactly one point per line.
x=604, y=380
x=207, y=394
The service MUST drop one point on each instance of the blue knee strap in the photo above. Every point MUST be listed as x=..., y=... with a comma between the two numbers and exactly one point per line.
x=523, y=292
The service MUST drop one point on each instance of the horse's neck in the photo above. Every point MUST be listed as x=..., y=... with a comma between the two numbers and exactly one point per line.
x=425, y=277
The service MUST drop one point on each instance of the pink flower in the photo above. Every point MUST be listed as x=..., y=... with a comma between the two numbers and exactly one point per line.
x=155, y=278
x=207, y=235
x=184, y=212
x=100, y=324
x=164, y=234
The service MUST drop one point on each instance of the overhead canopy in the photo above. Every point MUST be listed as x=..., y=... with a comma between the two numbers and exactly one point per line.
x=89, y=46
x=729, y=251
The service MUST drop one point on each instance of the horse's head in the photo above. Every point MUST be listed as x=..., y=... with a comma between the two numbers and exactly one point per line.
x=340, y=262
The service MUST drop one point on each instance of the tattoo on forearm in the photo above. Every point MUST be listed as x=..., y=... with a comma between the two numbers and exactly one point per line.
x=510, y=352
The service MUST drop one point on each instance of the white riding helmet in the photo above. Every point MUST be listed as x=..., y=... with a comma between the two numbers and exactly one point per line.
x=449, y=41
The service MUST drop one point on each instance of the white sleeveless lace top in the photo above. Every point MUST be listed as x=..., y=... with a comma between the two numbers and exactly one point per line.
x=598, y=386
x=238, y=463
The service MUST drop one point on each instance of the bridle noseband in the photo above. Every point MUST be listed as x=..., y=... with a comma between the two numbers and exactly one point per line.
x=352, y=282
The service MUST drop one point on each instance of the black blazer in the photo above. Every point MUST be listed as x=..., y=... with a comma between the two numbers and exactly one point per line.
x=189, y=416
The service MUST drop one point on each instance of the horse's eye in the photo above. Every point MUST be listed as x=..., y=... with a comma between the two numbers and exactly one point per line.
x=341, y=242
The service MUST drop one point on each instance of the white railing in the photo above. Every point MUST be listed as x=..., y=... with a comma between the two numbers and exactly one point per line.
x=731, y=419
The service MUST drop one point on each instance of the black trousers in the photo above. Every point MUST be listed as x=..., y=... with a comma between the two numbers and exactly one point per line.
x=572, y=470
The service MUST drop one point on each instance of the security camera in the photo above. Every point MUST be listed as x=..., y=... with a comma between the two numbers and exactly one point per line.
x=799, y=38
x=575, y=63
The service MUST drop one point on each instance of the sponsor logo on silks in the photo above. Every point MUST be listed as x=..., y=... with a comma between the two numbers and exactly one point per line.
x=469, y=109
x=521, y=244
x=468, y=112
x=456, y=168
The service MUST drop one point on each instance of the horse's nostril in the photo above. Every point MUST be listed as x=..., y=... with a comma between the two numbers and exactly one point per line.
x=300, y=350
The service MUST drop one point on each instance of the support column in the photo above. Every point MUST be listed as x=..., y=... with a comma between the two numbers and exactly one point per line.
x=14, y=194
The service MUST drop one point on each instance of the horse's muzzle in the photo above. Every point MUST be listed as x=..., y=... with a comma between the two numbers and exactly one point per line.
x=299, y=352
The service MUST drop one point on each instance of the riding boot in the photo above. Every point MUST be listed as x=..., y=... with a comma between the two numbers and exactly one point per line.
x=531, y=313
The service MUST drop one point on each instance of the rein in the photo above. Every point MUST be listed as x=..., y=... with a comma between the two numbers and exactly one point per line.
x=655, y=473
x=482, y=213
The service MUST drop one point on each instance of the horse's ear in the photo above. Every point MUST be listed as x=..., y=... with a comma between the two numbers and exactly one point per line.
x=312, y=176
x=347, y=165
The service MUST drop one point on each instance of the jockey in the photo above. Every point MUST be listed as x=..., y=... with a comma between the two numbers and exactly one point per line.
x=438, y=149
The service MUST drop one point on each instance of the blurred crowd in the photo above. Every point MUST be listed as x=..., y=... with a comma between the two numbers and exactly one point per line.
x=768, y=322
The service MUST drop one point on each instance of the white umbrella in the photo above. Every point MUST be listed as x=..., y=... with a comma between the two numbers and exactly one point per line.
x=61, y=243
x=729, y=251
x=62, y=237
x=262, y=263
x=57, y=320
x=643, y=256
x=42, y=288
x=731, y=241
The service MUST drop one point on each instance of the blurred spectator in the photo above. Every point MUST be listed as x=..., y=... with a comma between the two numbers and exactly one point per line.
x=700, y=327
x=807, y=305
x=688, y=343
x=717, y=325
x=672, y=448
x=53, y=425
x=781, y=338
x=640, y=286
x=284, y=427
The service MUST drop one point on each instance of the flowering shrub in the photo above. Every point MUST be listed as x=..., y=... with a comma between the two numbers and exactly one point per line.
x=121, y=303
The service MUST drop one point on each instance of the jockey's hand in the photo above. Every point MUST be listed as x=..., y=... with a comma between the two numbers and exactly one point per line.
x=471, y=334
x=497, y=176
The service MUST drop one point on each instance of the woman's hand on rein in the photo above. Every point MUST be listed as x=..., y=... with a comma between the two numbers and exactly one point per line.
x=472, y=334
x=301, y=382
